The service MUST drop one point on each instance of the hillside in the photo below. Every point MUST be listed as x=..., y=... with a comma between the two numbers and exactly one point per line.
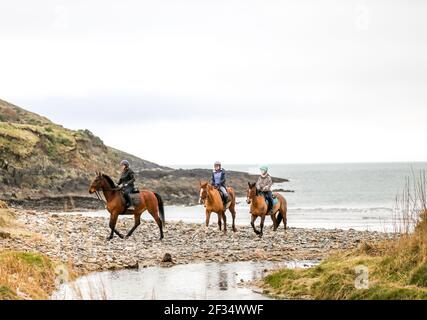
x=39, y=157
x=45, y=165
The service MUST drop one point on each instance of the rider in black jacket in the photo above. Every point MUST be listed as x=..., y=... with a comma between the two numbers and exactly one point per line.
x=127, y=179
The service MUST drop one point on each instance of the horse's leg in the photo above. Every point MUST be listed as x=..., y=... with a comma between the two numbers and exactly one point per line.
x=224, y=217
x=113, y=222
x=253, y=219
x=232, y=209
x=275, y=223
x=137, y=217
x=155, y=215
x=262, y=225
x=220, y=221
x=208, y=217
x=284, y=214
x=233, y=216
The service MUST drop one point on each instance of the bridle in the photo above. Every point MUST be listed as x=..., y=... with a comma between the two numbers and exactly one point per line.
x=203, y=199
x=98, y=193
x=249, y=195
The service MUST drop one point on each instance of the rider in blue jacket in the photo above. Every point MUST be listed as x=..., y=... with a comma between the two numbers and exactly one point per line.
x=218, y=180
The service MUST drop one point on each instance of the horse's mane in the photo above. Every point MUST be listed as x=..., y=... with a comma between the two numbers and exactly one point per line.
x=109, y=180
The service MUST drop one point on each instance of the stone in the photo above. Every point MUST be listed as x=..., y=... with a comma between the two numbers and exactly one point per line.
x=167, y=258
x=5, y=235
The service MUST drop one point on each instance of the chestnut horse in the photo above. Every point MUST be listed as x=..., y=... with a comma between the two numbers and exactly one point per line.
x=211, y=198
x=259, y=208
x=115, y=204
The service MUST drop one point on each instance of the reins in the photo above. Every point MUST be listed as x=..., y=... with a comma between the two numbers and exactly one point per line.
x=98, y=194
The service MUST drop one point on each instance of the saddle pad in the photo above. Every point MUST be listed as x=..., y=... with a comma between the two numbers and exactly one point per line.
x=135, y=199
x=275, y=201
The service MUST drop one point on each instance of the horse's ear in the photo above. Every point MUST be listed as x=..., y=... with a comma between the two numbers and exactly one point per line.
x=249, y=184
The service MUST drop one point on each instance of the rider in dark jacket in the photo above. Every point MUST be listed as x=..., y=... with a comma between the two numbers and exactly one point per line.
x=127, y=179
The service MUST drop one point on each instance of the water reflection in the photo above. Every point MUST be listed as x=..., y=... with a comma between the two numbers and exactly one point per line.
x=183, y=282
x=223, y=281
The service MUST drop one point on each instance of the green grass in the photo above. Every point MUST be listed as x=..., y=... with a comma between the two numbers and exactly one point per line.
x=7, y=294
x=397, y=271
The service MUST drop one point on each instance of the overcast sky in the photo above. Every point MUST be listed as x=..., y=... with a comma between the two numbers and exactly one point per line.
x=191, y=82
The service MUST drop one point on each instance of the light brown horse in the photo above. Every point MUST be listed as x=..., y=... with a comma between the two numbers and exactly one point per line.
x=211, y=198
x=259, y=208
x=148, y=200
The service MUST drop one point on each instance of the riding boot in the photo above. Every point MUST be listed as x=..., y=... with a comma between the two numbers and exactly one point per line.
x=226, y=199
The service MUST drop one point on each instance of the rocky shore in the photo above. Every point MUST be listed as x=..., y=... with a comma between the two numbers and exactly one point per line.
x=81, y=241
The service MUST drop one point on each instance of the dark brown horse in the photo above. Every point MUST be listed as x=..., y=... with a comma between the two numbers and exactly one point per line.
x=147, y=200
x=259, y=208
x=211, y=198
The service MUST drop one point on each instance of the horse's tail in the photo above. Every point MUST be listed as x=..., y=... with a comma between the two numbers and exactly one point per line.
x=161, y=207
x=282, y=207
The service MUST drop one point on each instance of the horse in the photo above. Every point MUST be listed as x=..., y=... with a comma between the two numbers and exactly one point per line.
x=148, y=200
x=259, y=208
x=211, y=198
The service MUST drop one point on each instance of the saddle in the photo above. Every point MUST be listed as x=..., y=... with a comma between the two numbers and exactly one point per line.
x=135, y=198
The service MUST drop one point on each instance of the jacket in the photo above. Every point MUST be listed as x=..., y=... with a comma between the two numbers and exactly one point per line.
x=264, y=183
x=127, y=178
x=222, y=180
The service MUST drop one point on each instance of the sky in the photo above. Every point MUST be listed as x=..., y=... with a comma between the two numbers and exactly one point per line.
x=240, y=81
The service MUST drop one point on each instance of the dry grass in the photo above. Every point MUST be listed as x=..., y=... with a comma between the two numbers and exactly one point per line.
x=25, y=275
x=397, y=268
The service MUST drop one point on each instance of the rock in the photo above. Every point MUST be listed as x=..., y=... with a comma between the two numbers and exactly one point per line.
x=4, y=235
x=3, y=205
x=167, y=258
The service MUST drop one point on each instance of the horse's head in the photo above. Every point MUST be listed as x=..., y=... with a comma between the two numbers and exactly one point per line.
x=97, y=183
x=251, y=192
x=204, y=186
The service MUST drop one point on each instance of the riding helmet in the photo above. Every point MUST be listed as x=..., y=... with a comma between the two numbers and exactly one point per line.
x=125, y=163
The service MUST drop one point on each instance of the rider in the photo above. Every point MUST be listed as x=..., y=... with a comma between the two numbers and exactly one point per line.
x=264, y=184
x=127, y=179
x=218, y=180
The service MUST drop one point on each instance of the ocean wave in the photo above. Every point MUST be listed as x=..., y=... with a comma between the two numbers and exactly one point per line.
x=342, y=209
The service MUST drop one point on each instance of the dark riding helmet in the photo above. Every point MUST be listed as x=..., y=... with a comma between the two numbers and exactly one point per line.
x=125, y=163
